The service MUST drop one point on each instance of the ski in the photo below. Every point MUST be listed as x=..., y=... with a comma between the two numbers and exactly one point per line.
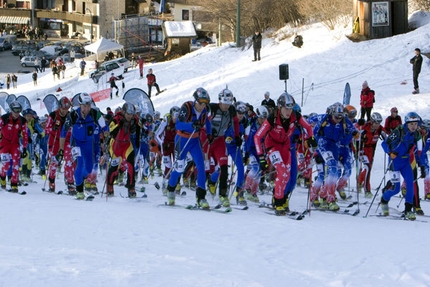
x=340, y=211
x=291, y=215
x=19, y=192
x=240, y=207
x=163, y=90
x=396, y=217
x=347, y=94
x=56, y=192
x=136, y=197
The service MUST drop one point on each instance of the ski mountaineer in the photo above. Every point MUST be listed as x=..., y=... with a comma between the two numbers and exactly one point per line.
x=424, y=158
x=332, y=131
x=392, y=121
x=121, y=149
x=82, y=123
x=192, y=117
x=370, y=134
x=277, y=130
x=235, y=152
x=398, y=146
x=33, y=129
x=146, y=132
x=165, y=136
x=13, y=129
x=367, y=98
x=251, y=158
x=53, y=129
x=223, y=115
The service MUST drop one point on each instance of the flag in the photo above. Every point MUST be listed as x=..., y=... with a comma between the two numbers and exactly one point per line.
x=162, y=6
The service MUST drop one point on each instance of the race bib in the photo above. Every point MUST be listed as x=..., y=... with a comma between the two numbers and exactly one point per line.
x=5, y=157
x=180, y=165
x=327, y=155
x=395, y=176
x=76, y=152
x=115, y=161
x=275, y=157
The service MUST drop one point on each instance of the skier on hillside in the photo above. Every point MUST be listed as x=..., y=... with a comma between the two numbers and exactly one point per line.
x=13, y=129
x=367, y=98
x=193, y=116
x=152, y=82
x=416, y=62
x=398, y=146
x=424, y=158
x=277, y=130
x=113, y=85
x=392, y=121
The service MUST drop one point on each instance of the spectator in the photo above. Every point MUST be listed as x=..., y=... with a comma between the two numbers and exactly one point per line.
x=96, y=64
x=37, y=65
x=8, y=80
x=367, y=98
x=72, y=55
x=113, y=85
x=82, y=66
x=416, y=62
x=14, y=81
x=34, y=76
x=268, y=102
x=392, y=121
x=256, y=42
x=152, y=82
x=141, y=62
x=43, y=64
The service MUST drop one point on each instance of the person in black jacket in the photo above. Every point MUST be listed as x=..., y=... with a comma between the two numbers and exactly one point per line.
x=268, y=102
x=256, y=42
x=416, y=62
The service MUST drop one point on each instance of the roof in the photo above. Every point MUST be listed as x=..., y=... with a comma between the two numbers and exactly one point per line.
x=179, y=29
x=103, y=45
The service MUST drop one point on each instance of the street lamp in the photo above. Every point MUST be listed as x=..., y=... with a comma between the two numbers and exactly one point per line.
x=91, y=36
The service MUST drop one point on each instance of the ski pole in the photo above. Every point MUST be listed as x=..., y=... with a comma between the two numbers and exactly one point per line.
x=377, y=189
x=232, y=174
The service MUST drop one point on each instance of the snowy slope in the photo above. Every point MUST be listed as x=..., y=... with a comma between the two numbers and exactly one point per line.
x=55, y=240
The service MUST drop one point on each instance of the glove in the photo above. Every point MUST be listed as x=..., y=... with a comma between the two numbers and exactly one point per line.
x=197, y=125
x=361, y=122
x=210, y=139
x=239, y=141
x=423, y=172
x=59, y=156
x=263, y=163
x=393, y=155
x=311, y=142
x=246, y=158
x=24, y=153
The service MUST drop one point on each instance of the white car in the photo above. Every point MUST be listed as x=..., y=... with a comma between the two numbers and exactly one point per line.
x=106, y=68
x=123, y=62
x=28, y=61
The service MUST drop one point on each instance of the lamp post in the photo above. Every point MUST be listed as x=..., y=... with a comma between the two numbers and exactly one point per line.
x=91, y=36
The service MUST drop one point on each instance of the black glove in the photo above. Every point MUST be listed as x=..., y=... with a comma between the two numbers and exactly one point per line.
x=263, y=163
x=361, y=122
x=423, y=171
x=311, y=142
x=24, y=153
x=210, y=139
x=246, y=158
x=197, y=125
x=59, y=156
x=239, y=141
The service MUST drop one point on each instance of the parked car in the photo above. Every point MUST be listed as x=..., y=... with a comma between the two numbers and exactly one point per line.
x=28, y=61
x=123, y=62
x=5, y=45
x=104, y=68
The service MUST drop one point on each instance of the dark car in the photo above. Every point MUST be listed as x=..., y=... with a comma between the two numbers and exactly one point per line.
x=6, y=45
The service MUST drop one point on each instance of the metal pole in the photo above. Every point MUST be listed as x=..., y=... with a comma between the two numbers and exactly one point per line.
x=238, y=24
x=303, y=90
x=91, y=27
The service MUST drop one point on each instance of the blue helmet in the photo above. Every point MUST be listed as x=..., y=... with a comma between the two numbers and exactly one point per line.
x=412, y=117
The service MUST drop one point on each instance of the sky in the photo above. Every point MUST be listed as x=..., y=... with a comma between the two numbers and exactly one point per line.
x=55, y=240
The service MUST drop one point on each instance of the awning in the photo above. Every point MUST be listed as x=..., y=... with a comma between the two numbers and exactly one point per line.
x=14, y=20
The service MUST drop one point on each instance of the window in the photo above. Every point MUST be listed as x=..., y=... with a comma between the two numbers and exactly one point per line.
x=185, y=14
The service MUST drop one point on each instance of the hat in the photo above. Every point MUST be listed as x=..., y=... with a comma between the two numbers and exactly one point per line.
x=365, y=84
x=112, y=74
x=267, y=94
x=394, y=110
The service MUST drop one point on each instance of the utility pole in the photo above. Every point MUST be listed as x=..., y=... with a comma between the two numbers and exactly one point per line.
x=238, y=24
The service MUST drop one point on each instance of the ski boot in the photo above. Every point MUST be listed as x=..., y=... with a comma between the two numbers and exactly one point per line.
x=332, y=206
x=427, y=197
x=323, y=203
x=384, y=207
x=368, y=194
x=14, y=188
x=280, y=211
x=240, y=199
x=252, y=197
x=419, y=211
x=178, y=189
x=71, y=189
x=51, y=185
x=316, y=203
x=203, y=203
x=131, y=192
x=212, y=187
x=171, y=198
x=109, y=190
x=3, y=182
x=224, y=201
x=342, y=193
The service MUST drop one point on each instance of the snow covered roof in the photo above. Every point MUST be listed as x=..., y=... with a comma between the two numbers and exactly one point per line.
x=179, y=29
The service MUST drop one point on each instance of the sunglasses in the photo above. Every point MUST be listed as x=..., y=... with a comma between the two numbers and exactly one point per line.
x=17, y=110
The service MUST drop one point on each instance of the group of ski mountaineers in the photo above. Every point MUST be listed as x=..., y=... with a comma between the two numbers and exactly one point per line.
x=271, y=144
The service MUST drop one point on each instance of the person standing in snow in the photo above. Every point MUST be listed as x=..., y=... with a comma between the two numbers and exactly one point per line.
x=416, y=62
x=193, y=116
x=367, y=98
x=399, y=146
x=82, y=65
x=256, y=43
x=140, y=62
x=113, y=85
x=392, y=121
x=34, y=76
x=152, y=82
x=14, y=81
x=268, y=102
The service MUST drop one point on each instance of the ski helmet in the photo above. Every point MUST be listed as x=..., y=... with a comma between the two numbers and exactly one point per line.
x=201, y=96
x=226, y=97
x=376, y=118
x=426, y=123
x=350, y=111
x=174, y=110
x=128, y=108
x=64, y=103
x=149, y=118
x=240, y=107
x=262, y=112
x=337, y=110
x=412, y=117
x=286, y=100
x=15, y=106
x=157, y=114
x=84, y=99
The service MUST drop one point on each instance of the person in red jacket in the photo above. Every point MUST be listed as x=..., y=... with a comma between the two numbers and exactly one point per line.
x=113, y=85
x=367, y=98
x=277, y=130
x=393, y=121
x=13, y=127
x=152, y=82
x=140, y=61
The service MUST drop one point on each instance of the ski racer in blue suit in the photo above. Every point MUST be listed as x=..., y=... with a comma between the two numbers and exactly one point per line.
x=424, y=158
x=399, y=146
x=193, y=116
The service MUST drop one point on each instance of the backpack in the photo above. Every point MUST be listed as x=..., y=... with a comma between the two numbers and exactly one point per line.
x=372, y=91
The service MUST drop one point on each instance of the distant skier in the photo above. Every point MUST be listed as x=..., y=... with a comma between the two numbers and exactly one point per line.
x=416, y=62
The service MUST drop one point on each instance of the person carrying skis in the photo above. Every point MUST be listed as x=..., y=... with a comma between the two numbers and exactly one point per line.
x=13, y=129
x=113, y=85
x=192, y=117
x=332, y=130
x=277, y=130
x=399, y=146
x=223, y=115
x=122, y=151
x=53, y=129
x=367, y=98
x=370, y=134
x=82, y=123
